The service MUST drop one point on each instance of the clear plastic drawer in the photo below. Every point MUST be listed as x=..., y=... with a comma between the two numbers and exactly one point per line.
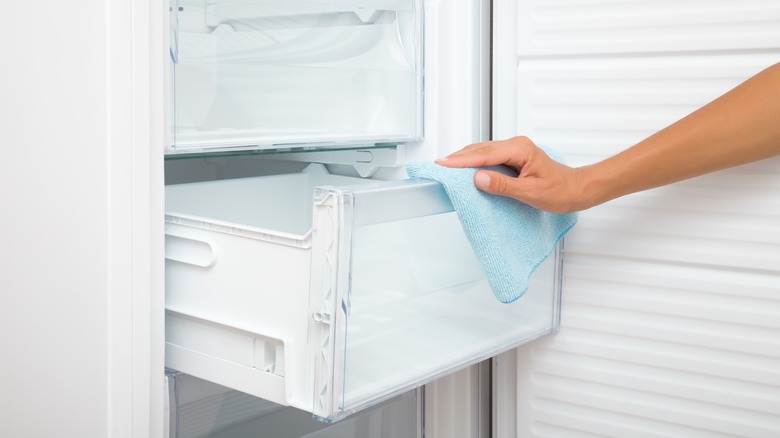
x=260, y=74
x=331, y=293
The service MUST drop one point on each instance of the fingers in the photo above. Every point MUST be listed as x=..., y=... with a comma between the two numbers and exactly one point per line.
x=477, y=155
x=541, y=182
x=513, y=152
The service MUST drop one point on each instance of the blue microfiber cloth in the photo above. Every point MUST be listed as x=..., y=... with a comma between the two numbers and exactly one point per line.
x=510, y=238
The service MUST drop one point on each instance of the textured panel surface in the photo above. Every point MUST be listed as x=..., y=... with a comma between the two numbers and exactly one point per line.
x=563, y=27
x=592, y=108
x=671, y=307
x=656, y=350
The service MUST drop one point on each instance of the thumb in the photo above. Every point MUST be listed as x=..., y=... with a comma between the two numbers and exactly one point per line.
x=497, y=183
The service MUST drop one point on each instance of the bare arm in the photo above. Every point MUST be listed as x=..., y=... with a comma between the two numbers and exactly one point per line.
x=739, y=127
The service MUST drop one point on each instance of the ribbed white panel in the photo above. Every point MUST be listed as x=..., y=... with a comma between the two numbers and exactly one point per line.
x=671, y=307
x=556, y=27
x=656, y=350
x=592, y=108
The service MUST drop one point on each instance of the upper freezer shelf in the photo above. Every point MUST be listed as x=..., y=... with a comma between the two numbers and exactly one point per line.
x=267, y=74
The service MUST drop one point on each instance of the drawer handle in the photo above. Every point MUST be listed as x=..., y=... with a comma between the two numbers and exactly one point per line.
x=190, y=251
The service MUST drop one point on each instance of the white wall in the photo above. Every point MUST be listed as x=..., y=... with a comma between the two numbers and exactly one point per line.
x=76, y=272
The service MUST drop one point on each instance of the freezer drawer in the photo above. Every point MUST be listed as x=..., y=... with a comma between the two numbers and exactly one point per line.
x=197, y=409
x=331, y=293
x=249, y=74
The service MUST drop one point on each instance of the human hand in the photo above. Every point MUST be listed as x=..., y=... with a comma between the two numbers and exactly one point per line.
x=542, y=182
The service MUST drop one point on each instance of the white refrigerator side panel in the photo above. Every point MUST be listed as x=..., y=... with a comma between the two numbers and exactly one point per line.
x=77, y=318
x=54, y=228
x=671, y=301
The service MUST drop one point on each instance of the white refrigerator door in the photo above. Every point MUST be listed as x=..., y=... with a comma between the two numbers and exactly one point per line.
x=671, y=304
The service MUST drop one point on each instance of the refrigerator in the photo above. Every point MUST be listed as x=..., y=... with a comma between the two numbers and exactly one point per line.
x=302, y=266
x=658, y=318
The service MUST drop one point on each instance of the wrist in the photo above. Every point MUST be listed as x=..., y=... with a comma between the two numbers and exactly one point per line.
x=594, y=186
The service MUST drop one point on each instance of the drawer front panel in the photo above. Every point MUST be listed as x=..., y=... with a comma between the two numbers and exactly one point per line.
x=401, y=302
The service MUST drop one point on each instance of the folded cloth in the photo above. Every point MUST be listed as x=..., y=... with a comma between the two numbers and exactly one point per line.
x=510, y=238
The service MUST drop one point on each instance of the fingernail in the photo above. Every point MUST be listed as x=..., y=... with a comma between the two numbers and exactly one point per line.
x=482, y=180
x=439, y=160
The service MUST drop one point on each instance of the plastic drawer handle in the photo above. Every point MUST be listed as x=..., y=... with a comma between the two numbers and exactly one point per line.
x=190, y=251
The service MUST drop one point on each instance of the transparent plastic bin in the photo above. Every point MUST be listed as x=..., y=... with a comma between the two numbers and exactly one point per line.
x=198, y=408
x=331, y=293
x=264, y=74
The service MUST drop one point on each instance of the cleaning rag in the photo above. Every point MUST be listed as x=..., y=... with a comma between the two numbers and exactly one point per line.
x=509, y=238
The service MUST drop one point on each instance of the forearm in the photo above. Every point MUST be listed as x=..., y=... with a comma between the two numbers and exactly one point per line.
x=741, y=126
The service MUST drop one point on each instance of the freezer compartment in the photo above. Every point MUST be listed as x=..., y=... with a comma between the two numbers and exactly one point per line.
x=331, y=293
x=197, y=408
x=263, y=74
